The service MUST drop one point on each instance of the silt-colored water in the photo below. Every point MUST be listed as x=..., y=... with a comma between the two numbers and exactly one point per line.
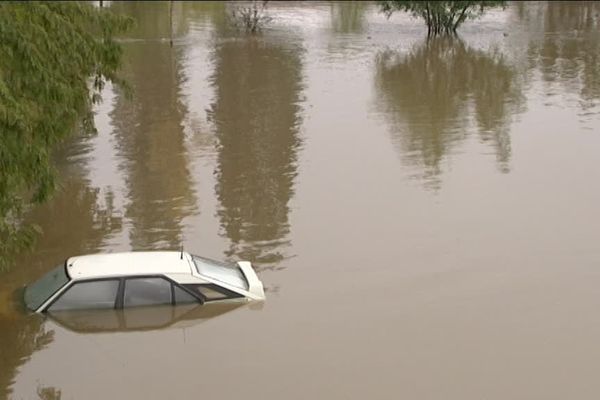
x=424, y=214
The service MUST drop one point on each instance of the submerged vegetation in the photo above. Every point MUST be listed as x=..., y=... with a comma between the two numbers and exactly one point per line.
x=441, y=17
x=250, y=17
x=56, y=58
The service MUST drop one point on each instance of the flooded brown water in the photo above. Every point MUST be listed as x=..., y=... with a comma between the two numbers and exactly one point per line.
x=424, y=215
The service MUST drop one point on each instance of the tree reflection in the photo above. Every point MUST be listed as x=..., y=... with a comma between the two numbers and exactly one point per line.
x=151, y=17
x=20, y=337
x=76, y=221
x=568, y=52
x=49, y=393
x=257, y=85
x=151, y=140
x=430, y=94
x=348, y=16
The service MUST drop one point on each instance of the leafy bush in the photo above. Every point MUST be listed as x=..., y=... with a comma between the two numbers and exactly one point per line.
x=440, y=16
x=56, y=58
x=250, y=17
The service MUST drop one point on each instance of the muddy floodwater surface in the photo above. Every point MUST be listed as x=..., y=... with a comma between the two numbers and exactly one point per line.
x=424, y=214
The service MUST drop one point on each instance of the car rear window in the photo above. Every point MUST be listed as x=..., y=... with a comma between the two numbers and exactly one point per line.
x=38, y=292
x=223, y=272
x=213, y=292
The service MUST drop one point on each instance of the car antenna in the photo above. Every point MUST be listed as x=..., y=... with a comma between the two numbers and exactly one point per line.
x=181, y=255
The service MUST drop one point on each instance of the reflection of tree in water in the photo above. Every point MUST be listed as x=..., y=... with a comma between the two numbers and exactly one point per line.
x=348, y=16
x=568, y=52
x=150, y=137
x=86, y=218
x=20, y=336
x=151, y=18
x=49, y=393
x=76, y=221
x=430, y=94
x=257, y=86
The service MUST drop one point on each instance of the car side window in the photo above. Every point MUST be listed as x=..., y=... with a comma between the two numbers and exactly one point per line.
x=146, y=292
x=212, y=292
x=183, y=297
x=88, y=295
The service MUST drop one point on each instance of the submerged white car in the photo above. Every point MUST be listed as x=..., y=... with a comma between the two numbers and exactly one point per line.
x=121, y=280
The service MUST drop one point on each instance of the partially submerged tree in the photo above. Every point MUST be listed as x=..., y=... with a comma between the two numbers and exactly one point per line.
x=250, y=16
x=440, y=16
x=55, y=58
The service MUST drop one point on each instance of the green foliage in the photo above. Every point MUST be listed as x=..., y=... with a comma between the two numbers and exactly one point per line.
x=440, y=16
x=55, y=58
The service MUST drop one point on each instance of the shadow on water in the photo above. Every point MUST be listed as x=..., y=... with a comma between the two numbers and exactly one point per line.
x=433, y=95
x=257, y=86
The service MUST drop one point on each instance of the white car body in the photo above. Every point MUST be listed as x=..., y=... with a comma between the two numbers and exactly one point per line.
x=181, y=268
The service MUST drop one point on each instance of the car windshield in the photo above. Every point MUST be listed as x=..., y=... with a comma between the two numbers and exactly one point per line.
x=220, y=271
x=37, y=293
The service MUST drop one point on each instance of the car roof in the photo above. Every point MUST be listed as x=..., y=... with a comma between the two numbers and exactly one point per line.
x=128, y=263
